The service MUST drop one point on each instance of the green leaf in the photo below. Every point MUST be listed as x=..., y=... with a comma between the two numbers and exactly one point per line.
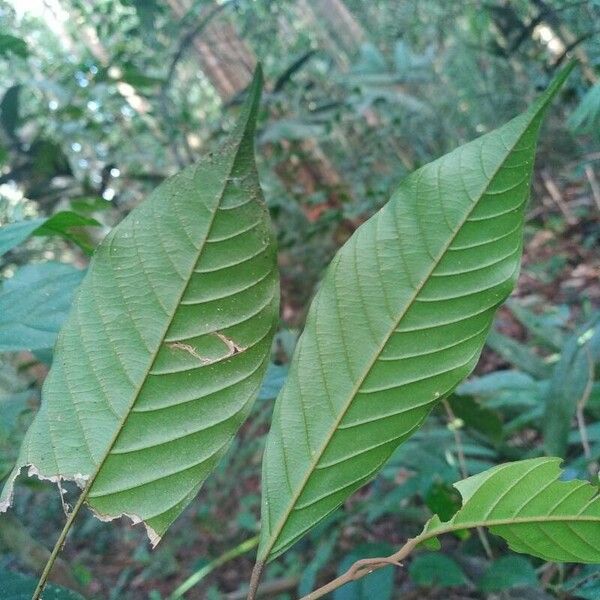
x=572, y=375
x=166, y=346
x=13, y=234
x=34, y=304
x=586, y=117
x=585, y=584
x=291, y=130
x=61, y=223
x=527, y=504
x=508, y=572
x=545, y=326
x=15, y=586
x=499, y=382
x=518, y=354
x=10, y=44
x=66, y=224
x=10, y=117
x=12, y=405
x=436, y=570
x=477, y=416
x=379, y=584
x=322, y=555
x=441, y=499
x=399, y=320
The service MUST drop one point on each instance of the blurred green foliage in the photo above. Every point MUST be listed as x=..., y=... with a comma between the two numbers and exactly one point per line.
x=102, y=100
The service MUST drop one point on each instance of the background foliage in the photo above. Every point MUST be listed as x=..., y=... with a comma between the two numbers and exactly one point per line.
x=101, y=101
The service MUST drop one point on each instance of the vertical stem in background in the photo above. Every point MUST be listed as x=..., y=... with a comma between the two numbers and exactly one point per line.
x=581, y=404
x=199, y=575
x=462, y=462
x=591, y=176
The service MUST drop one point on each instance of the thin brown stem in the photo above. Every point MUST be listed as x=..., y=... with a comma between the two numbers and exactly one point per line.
x=462, y=461
x=60, y=542
x=364, y=567
x=454, y=427
x=594, y=185
x=268, y=589
x=255, y=579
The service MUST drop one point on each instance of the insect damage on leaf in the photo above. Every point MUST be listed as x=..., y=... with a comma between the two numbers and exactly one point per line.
x=232, y=349
x=165, y=348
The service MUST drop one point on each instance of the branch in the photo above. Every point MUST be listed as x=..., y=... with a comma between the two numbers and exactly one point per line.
x=365, y=566
x=184, y=44
x=582, y=38
x=188, y=38
x=295, y=66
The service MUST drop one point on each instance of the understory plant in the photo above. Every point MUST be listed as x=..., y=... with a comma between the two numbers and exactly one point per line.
x=170, y=333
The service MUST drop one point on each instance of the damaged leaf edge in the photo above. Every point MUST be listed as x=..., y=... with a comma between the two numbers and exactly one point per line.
x=80, y=480
x=86, y=481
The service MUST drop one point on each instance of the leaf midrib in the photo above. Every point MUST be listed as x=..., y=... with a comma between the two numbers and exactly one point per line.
x=450, y=526
x=360, y=381
x=86, y=490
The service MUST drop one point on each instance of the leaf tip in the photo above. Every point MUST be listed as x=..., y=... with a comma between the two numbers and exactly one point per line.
x=555, y=85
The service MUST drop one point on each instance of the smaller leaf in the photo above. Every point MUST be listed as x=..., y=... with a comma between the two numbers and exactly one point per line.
x=10, y=117
x=545, y=326
x=478, y=417
x=89, y=204
x=13, y=234
x=586, y=117
x=14, y=586
x=508, y=572
x=60, y=224
x=585, y=584
x=322, y=555
x=291, y=130
x=506, y=390
x=527, y=504
x=571, y=377
x=436, y=570
x=370, y=61
x=518, y=355
x=34, y=304
x=12, y=45
x=66, y=224
x=12, y=406
x=442, y=500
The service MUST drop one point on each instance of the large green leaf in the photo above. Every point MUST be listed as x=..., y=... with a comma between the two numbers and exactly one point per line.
x=167, y=343
x=526, y=503
x=399, y=320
